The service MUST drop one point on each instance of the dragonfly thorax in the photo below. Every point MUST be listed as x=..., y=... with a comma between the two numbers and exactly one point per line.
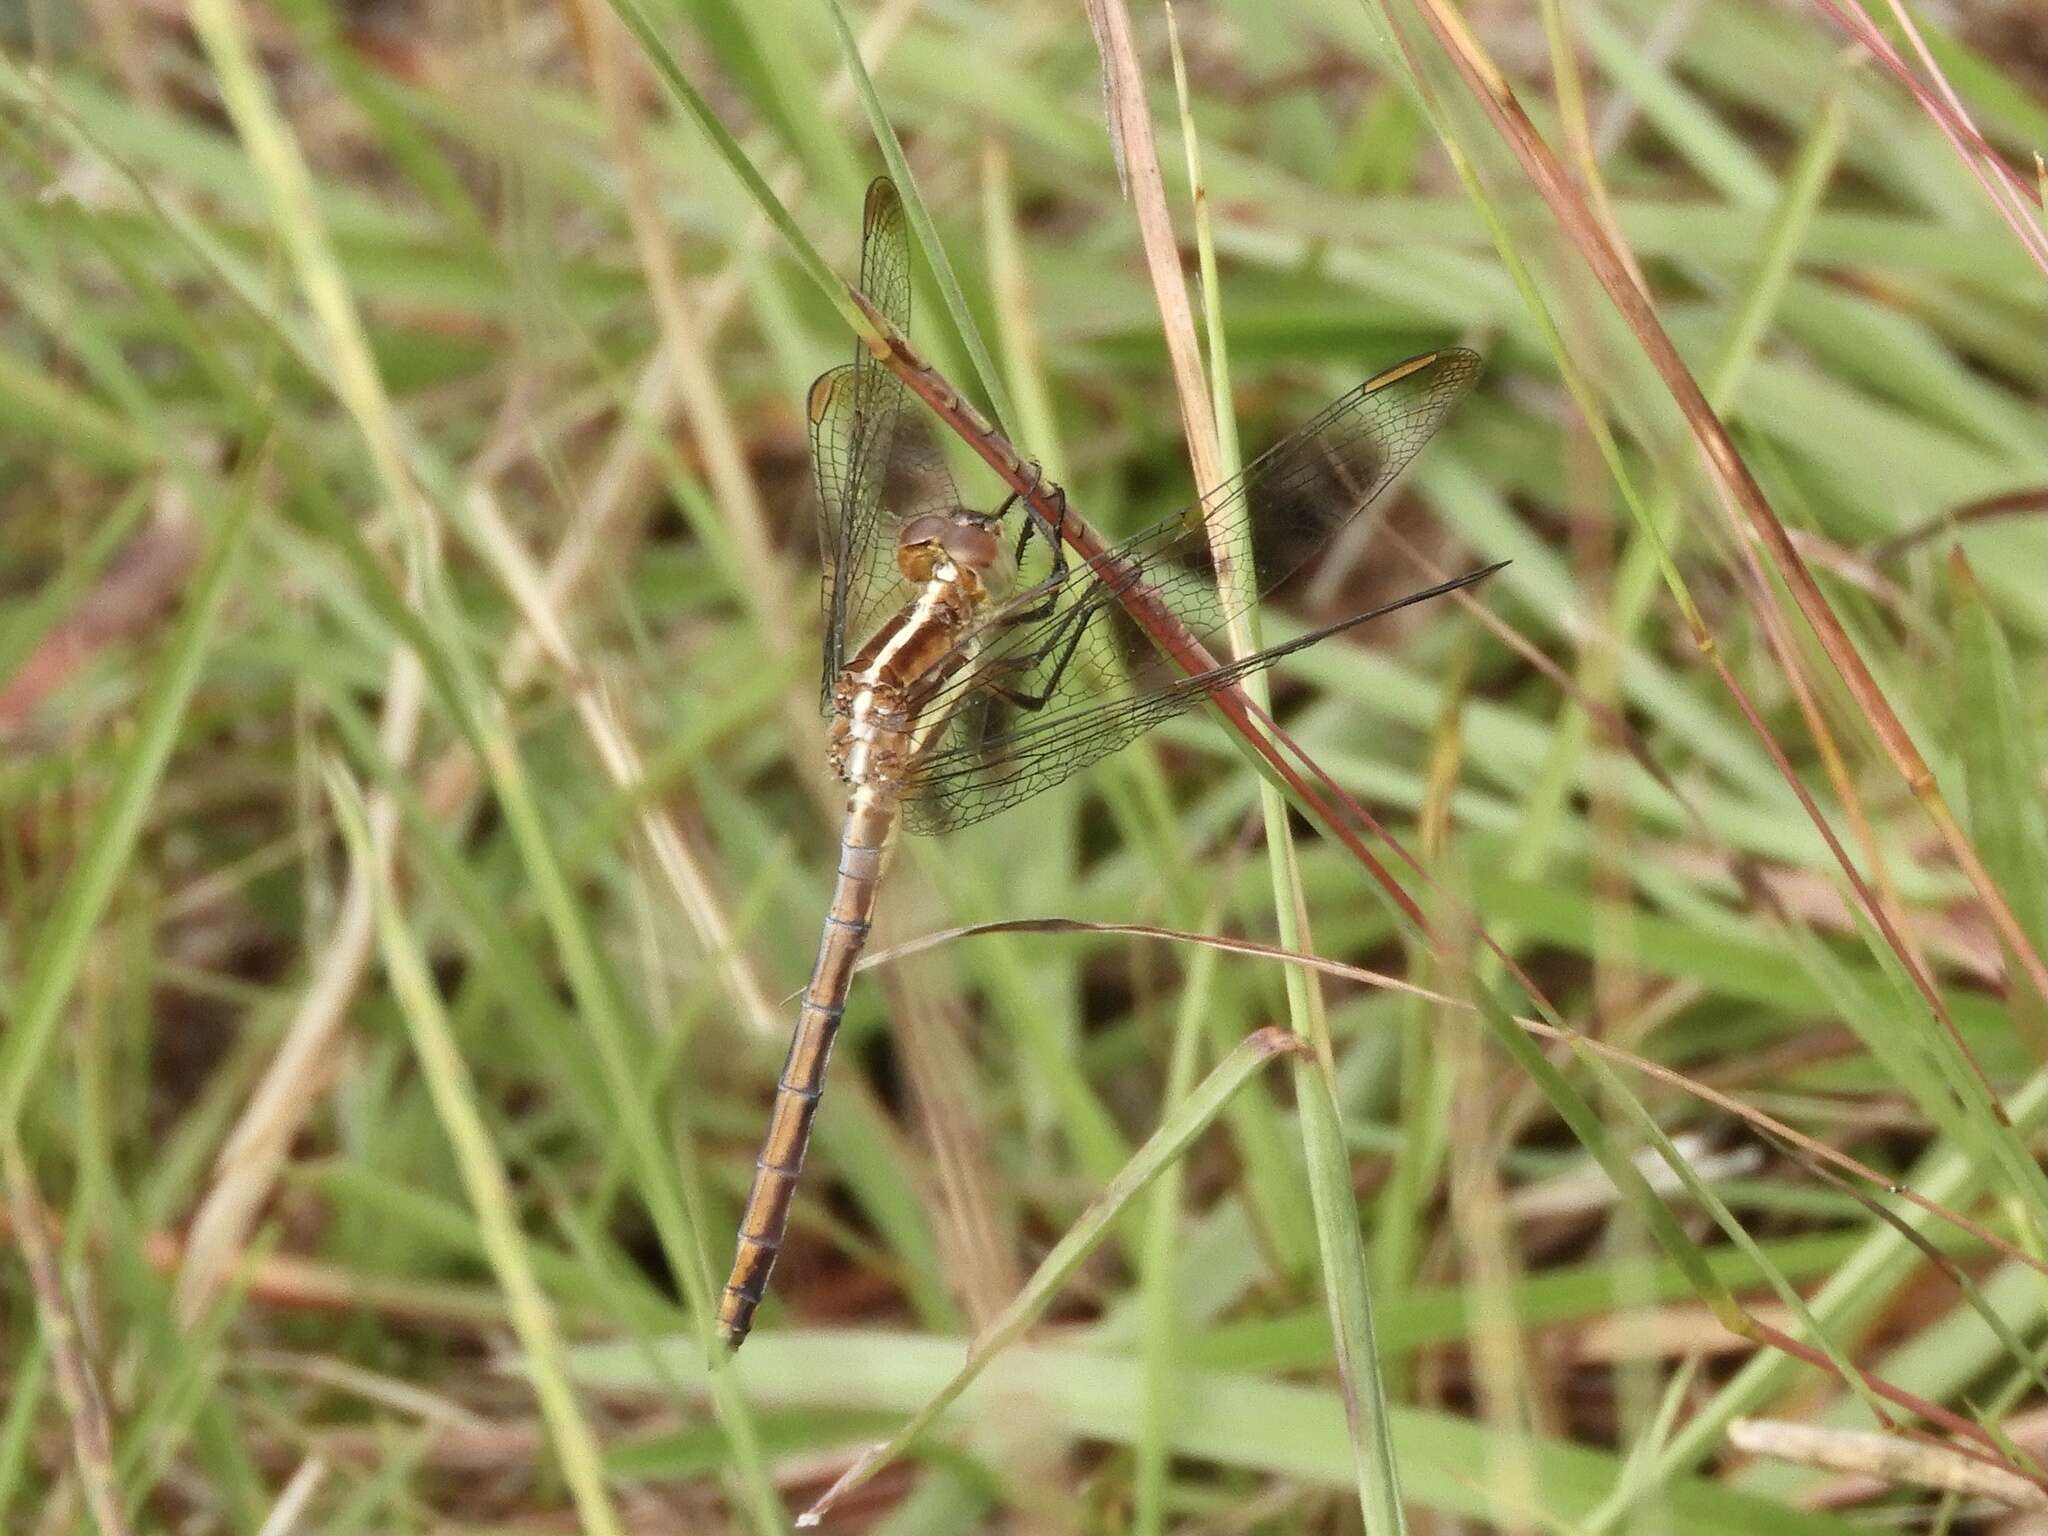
x=875, y=700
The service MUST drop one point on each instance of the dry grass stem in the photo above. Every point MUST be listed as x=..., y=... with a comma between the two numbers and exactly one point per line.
x=1885, y=1459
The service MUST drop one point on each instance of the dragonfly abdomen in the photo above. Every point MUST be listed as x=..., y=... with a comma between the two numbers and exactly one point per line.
x=863, y=848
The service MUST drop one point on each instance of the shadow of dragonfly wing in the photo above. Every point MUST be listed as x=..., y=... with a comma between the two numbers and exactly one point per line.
x=877, y=463
x=1062, y=676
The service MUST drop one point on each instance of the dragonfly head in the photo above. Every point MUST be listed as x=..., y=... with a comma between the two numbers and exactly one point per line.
x=967, y=541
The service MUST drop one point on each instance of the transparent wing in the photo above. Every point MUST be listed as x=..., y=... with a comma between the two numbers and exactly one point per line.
x=1018, y=763
x=1061, y=674
x=876, y=460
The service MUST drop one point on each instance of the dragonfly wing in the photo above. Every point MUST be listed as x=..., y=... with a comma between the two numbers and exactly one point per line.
x=1062, y=675
x=999, y=753
x=876, y=459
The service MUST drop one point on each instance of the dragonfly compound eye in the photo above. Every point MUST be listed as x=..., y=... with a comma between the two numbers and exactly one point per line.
x=972, y=545
x=926, y=541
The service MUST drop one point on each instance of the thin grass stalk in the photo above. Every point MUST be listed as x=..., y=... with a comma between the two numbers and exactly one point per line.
x=1570, y=92
x=2000, y=183
x=78, y=1387
x=1986, y=509
x=1329, y=1165
x=1739, y=491
x=250, y=1159
x=454, y=1093
x=1289, y=1224
x=1776, y=1130
x=1160, y=1268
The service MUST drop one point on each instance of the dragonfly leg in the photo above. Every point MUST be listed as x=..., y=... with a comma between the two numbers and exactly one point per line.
x=1051, y=686
x=1051, y=529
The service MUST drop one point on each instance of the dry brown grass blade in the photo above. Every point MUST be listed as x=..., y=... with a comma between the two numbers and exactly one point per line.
x=1993, y=1454
x=1885, y=1459
x=1739, y=491
x=1124, y=91
x=85, y=1406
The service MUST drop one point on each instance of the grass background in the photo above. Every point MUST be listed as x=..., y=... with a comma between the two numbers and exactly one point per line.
x=412, y=810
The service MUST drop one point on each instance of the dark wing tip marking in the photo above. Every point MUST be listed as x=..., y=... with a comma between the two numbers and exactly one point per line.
x=881, y=202
x=818, y=400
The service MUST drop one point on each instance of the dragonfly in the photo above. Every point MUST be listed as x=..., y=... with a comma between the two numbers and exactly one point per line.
x=964, y=673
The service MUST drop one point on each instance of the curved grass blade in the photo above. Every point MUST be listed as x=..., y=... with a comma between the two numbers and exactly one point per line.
x=453, y=1090
x=1187, y=1121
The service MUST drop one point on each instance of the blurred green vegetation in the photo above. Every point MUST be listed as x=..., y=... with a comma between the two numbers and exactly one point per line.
x=402, y=406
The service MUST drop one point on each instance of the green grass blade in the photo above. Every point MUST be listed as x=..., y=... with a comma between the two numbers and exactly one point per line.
x=1234, y=1419
x=58, y=952
x=921, y=222
x=1349, y=1295
x=483, y=1174
x=1187, y=1120
x=223, y=28
x=736, y=160
x=2002, y=769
